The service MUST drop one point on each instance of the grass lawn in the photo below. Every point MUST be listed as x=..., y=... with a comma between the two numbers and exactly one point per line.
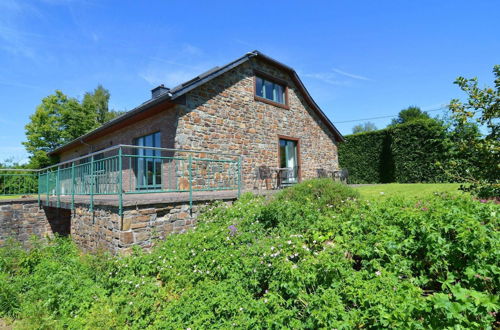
x=407, y=189
x=14, y=196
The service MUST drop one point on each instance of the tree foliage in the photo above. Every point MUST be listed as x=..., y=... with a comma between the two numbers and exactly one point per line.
x=410, y=114
x=481, y=108
x=404, y=153
x=60, y=119
x=366, y=127
x=98, y=101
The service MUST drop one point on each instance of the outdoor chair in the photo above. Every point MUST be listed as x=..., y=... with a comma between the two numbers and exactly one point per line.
x=285, y=176
x=263, y=174
x=322, y=173
x=341, y=175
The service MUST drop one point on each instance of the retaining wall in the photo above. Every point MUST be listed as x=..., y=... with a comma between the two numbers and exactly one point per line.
x=101, y=229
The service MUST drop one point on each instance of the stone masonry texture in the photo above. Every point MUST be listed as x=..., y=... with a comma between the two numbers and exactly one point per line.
x=21, y=220
x=223, y=115
x=100, y=230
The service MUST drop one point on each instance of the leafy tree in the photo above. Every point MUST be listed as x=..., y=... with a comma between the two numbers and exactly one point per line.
x=366, y=127
x=410, y=114
x=482, y=108
x=60, y=119
x=57, y=120
x=98, y=101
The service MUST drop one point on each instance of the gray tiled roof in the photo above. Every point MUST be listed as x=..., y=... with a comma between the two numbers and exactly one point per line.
x=189, y=85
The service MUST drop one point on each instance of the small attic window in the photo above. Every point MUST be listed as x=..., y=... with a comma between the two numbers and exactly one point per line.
x=270, y=90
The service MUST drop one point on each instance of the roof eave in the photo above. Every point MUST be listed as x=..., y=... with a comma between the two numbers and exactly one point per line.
x=176, y=92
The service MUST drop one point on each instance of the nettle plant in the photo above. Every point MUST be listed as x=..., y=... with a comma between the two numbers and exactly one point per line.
x=302, y=259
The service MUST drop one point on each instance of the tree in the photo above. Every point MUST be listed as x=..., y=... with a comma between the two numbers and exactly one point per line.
x=410, y=114
x=98, y=101
x=60, y=119
x=482, y=108
x=57, y=120
x=366, y=127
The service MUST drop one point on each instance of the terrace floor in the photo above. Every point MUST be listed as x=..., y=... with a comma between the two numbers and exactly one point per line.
x=141, y=199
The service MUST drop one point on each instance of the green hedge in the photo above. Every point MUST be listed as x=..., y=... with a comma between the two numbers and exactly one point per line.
x=404, y=153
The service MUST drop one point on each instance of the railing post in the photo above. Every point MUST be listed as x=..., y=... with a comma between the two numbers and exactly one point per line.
x=58, y=182
x=72, y=186
x=47, y=185
x=92, y=183
x=190, y=171
x=38, y=188
x=120, y=183
x=239, y=176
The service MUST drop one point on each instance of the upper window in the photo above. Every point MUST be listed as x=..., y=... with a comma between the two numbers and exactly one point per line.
x=270, y=90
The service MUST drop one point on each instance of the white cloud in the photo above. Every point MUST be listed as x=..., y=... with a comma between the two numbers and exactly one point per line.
x=335, y=77
x=179, y=67
x=350, y=75
x=12, y=39
x=328, y=78
x=191, y=50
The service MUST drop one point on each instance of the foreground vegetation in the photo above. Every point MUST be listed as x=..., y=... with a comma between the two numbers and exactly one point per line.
x=315, y=256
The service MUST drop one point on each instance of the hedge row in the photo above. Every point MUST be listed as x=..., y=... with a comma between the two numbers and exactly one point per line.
x=404, y=153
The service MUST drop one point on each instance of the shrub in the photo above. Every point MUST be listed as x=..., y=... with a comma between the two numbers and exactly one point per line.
x=320, y=192
x=404, y=153
x=367, y=157
x=397, y=263
x=299, y=206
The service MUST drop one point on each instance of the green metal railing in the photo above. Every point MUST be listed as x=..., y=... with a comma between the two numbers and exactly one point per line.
x=122, y=170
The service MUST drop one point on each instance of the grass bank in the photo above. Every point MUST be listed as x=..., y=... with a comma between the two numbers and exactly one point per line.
x=411, y=190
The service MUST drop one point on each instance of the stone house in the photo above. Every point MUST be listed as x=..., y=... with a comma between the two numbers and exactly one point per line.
x=254, y=106
x=255, y=109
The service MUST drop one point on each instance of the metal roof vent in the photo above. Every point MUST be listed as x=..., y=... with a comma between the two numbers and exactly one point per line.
x=159, y=91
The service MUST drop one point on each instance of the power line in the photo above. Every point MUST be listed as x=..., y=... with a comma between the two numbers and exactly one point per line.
x=351, y=121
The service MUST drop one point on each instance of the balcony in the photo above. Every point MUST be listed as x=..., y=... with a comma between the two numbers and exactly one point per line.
x=126, y=175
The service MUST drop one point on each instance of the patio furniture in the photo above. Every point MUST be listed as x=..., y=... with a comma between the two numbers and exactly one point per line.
x=264, y=174
x=322, y=173
x=284, y=177
x=341, y=175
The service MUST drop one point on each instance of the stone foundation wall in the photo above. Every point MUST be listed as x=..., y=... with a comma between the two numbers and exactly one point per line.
x=102, y=229
x=21, y=219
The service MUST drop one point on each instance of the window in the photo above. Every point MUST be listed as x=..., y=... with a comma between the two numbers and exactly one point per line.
x=270, y=90
x=148, y=165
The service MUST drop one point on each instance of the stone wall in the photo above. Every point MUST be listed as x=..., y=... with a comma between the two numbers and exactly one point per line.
x=103, y=229
x=21, y=219
x=224, y=116
x=142, y=225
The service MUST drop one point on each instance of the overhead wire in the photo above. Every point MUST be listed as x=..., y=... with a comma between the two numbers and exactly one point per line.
x=381, y=117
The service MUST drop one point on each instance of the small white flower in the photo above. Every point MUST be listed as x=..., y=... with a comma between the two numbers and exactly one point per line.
x=378, y=273
x=381, y=193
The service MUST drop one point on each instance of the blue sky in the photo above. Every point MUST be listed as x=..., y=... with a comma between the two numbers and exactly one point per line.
x=358, y=59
